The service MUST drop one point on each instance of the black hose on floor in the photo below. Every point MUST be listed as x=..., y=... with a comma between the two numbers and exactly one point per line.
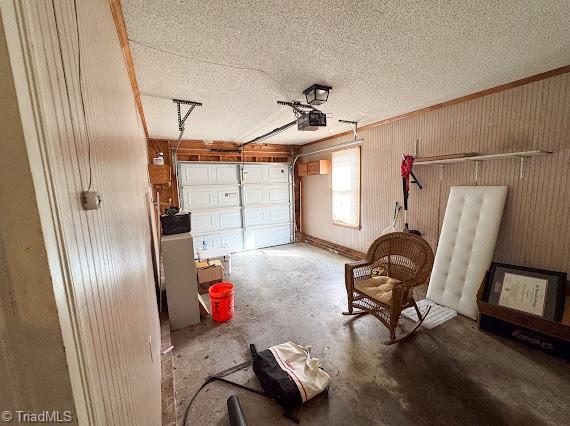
x=235, y=412
x=219, y=379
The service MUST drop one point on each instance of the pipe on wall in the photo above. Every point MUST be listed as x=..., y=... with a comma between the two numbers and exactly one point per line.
x=326, y=149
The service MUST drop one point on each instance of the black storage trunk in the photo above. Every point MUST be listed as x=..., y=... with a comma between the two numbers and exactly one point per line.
x=554, y=345
x=175, y=224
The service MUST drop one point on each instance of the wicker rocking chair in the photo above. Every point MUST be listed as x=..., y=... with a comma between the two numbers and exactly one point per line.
x=382, y=285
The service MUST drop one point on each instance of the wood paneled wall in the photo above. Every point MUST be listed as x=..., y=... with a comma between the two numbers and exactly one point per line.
x=167, y=194
x=106, y=277
x=535, y=229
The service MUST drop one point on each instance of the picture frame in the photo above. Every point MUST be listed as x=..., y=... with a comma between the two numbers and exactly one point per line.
x=537, y=292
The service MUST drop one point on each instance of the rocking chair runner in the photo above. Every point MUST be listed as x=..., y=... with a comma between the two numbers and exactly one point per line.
x=382, y=285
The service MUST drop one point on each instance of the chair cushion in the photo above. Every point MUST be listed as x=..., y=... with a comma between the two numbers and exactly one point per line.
x=378, y=288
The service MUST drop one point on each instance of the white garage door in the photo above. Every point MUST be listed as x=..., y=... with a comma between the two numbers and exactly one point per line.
x=237, y=206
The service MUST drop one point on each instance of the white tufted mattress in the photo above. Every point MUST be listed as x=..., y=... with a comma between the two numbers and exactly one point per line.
x=466, y=246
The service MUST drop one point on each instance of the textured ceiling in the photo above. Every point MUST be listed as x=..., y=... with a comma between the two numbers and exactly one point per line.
x=383, y=58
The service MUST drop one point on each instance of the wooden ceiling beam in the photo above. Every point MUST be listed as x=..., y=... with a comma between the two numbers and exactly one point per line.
x=252, y=149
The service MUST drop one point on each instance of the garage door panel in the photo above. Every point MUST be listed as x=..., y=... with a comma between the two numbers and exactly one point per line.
x=228, y=174
x=253, y=195
x=254, y=174
x=278, y=195
x=232, y=240
x=266, y=173
x=256, y=216
x=229, y=197
x=229, y=220
x=204, y=222
x=197, y=198
x=209, y=221
x=278, y=174
x=200, y=241
x=265, y=194
x=194, y=175
x=280, y=214
x=267, y=236
x=208, y=174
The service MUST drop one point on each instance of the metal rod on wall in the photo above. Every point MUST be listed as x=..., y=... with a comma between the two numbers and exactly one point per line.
x=328, y=148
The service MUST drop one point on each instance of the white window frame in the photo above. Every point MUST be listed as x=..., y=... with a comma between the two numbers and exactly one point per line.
x=353, y=190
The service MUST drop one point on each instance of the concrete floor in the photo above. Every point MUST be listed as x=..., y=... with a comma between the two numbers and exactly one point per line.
x=453, y=374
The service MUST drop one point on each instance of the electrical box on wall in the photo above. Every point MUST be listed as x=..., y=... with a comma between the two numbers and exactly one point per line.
x=90, y=200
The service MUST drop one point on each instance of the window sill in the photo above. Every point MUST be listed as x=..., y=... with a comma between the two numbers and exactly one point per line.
x=346, y=225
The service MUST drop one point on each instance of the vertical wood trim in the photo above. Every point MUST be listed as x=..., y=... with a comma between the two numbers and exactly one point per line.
x=118, y=17
x=20, y=19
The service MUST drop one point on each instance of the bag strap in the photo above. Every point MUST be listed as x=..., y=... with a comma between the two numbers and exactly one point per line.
x=253, y=350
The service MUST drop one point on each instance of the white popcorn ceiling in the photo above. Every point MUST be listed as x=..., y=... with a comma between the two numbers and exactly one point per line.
x=383, y=58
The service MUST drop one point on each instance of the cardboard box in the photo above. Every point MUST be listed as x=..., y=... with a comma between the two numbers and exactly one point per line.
x=209, y=272
x=220, y=253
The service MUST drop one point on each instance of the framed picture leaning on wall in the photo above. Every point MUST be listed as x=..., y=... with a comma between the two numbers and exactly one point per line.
x=534, y=291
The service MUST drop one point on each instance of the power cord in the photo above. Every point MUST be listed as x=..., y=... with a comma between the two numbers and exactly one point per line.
x=81, y=94
x=67, y=91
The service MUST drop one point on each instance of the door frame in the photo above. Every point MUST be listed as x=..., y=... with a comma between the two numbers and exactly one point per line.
x=17, y=18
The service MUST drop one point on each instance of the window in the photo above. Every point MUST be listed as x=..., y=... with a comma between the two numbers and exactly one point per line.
x=346, y=187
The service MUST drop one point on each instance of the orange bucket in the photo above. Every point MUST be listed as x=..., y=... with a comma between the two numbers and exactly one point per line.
x=222, y=301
